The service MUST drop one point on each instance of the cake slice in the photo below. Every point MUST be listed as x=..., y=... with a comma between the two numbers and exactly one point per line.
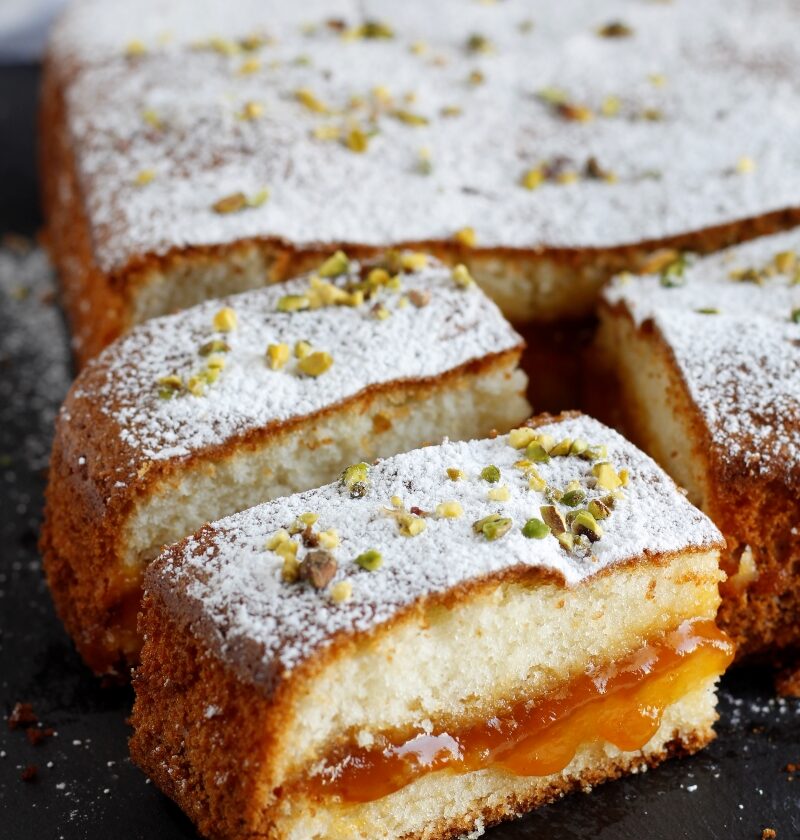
x=195, y=416
x=188, y=156
x=707, y=355
x=439, y=642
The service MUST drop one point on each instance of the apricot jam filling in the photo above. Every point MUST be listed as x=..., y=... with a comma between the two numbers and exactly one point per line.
x=621, y=704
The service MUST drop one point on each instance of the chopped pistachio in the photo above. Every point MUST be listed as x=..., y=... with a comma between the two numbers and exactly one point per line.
x=380, y=312
x=499, y=494
x=409, y=117
x=329, y=539
x=493, y=526
x=490, y=474
x=521, y=437
x=277, y=355
x=553, y=518
x=258, y=198
x=144, y=177
x=610, y=106
x=606, y=476
x=152, y=118
x=598, y=509
x=707, y=310
x=533, y=178
x=745, y=165
x=305, y=97
x=251, y=110
x=413, y=261
x=302, y=349
x=169, y=386
x=579, y=446
x=573, y=495
x=318, y=568
x=215, y=362
x=419, y=298
x=290, y=571
x=196, y=385
x=216, y=345
x=249, y=66
x=230, y=203
x=397, y=502
x=785, y=261
x=586, y=525
x=373, y=29
x=278, y=538
x=566, y=540
x=624, y=477
x=293, y=303
x=476, y=77
x=454, y=474
x=308, y=518
x=371, y=560
x=615, y=29
x=479, y=43
x=410, y=524
x=562, y=448
x=451, y=111
x=356, y=479
x=326, y=132
x=466, y=237
x=341, y=592
x=535, y=529
x=461, y=276
x=210, y=375
x=536, y=452
x=535, y=481
x=574, y=112
x=135, y=48
x=356, y=140
x=595, y=452
x=449, y=510
x=225, y=320
x=316, y=363
x=795, y=316
x=672, y=274
x=336, y=265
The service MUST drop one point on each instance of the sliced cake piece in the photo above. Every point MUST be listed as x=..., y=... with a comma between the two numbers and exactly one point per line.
x=187, y=155
x=707, y=355
x=437, y=642
x=195, y=416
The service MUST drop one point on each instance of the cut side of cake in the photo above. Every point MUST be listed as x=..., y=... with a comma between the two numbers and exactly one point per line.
x=707, y=357
x=198, y=415
x=497, y=622
x=190, y=156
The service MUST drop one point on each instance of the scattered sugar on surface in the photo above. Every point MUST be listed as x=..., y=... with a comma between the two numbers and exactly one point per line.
x=457, y=326
x=741, y=363
x=231, y=583
x=697, y=88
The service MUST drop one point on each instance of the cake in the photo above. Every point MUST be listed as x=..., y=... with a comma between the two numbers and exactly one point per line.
x=707, y=357
x=500, y=621
x=194, y=416
x=548, y=146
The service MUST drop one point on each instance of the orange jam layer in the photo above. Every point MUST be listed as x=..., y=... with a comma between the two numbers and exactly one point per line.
x=621, y=704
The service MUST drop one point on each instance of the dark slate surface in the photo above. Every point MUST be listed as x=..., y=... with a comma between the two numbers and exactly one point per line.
x=86, y=786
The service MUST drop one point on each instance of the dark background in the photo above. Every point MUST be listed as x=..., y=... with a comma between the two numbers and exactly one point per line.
x=86, y=786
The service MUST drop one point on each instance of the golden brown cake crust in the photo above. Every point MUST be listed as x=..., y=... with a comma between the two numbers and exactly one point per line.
x=190, y=754
x=85, y=510
x=100, y=306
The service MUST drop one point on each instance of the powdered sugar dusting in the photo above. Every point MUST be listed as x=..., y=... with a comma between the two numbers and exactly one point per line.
x=456, y=326
x=741, y=363
x=226, y=579
x=695, y=89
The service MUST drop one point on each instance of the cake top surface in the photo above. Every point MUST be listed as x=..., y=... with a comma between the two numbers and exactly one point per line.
x=539, y=125
x=179, y=384
x=226, y=580
x=732, y=321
